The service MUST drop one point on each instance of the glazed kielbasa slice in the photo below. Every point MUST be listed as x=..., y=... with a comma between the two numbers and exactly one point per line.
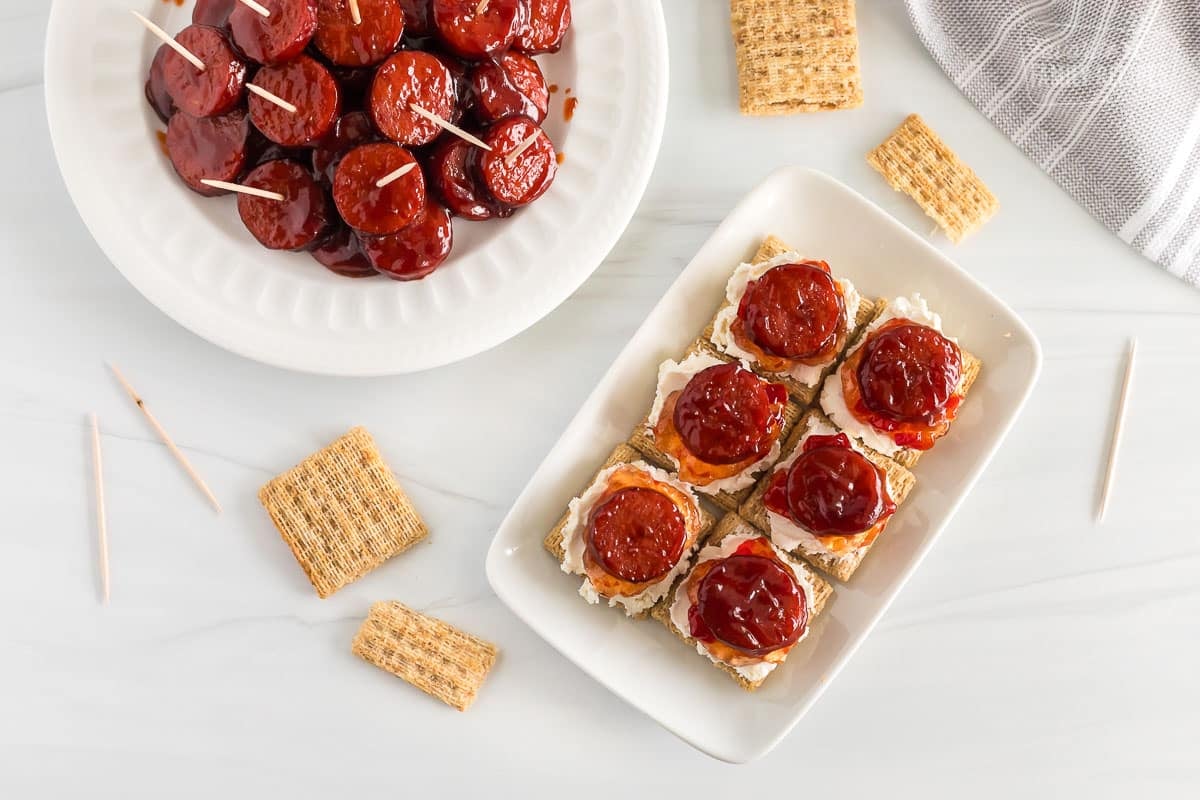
x=474, y=36
x=636, y=534
x=157, y=94
x=208, y=147
x=544, y=26
x=341, y=253
x=215, y=90
x=450, y=168
x=348, y=132
x=349, y=44
x=418, y=17
x=213, y=12
x=415, y=251
x=307, y=85
x=370, y=208
x=294, y=223
x=507, y=86
x=794, y=311
x=281, y=36
x=525, y=178
x=412, y=77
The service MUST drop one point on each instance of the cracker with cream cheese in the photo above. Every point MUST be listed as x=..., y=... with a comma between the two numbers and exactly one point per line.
x=820, y=592
x=841, y=566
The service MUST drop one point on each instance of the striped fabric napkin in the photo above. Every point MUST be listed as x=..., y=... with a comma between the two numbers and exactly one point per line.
x=1104, y=95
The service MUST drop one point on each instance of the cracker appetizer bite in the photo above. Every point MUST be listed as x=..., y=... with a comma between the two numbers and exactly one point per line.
x=716, y=424
x=901, y=384
x=789, y=318
x=745, y=604
x=829, y=498
x=629, y=534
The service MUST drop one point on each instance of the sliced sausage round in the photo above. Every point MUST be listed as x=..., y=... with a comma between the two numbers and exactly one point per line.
x=451, y=171
x=341, y=253
x=281, y=36
x=472, y=35
x=418, y=17
x=417, y=250
x=215, y=90
x=208, y=147
x=307, y=85
x=507, y=86
x=157, y=94
x=348, y=132
x=350, y=44
x=297, y=221
x=412, y=77
x=636, y=534
x=213, y=12
x=544, y=27
x=368, y=207
x=525, y=178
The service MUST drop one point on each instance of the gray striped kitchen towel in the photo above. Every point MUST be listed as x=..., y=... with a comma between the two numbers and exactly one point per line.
x=1104, y=95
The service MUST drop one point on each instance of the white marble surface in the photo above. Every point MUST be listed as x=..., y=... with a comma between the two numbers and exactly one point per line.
x=1034, y=654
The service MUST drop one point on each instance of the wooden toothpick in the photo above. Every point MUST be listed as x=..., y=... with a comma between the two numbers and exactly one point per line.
x=166, y=439
x=482, y=7
x=170, y=42
x=394, y=174
x=457, y=131
x=240, y=189
x=1118, y=427
x=355, y=14
x=257, y=8
x=271, y=98
x=101, y=516
x=522, y=147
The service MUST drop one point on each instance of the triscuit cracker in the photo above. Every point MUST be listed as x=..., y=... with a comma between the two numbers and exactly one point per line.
x=914, y=160
x=342, y=512
x=731, y=525
x=622, y=454
x=796, y=55
x=803, y=394
x=900, y=481
x=642, y=438
x=432, y=655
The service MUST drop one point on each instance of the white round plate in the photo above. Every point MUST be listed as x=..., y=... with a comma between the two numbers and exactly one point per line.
x=192, y=258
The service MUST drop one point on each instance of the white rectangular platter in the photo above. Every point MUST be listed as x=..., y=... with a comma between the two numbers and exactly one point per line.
x=640, y=660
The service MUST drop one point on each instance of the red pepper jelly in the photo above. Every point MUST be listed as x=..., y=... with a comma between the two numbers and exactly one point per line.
x=726, y=414
x=831, y=489
x=750, y=603
x=903, y=381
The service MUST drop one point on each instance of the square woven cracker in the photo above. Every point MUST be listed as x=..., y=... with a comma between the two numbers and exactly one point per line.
x=622, y=454
x=803, y=395
x=796, y=55
x=643, y=440
x=900, y=480
x=732, y=524
x=342, y=512
x=432, y=655
x=915, y=160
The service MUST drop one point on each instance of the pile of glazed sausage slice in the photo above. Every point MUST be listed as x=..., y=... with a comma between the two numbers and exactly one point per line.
x=354, y=86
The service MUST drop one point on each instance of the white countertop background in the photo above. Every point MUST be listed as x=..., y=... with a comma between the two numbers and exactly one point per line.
x=1033, y=654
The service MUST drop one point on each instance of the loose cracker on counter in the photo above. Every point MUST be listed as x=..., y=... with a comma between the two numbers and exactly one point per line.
x=796, y=55
x=342, y=512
